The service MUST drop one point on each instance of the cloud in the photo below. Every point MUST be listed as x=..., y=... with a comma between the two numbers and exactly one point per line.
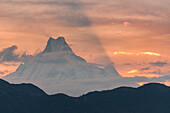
x=143, y=69
x=140, y=53
x=127, y=64
x=9, y=55
x=3, y=72
x=159, y=63
x=125, y=53
x=54, y=12
x=133, y=71
x=157, y=72
x=9, y=64
x=126, y=24
x=149, y=53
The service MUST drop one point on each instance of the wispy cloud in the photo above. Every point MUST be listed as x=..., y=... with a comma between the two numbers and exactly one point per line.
x=3, y=72
x=143, y=69
x=140, y=53
x=9, y=55
x=159, y=63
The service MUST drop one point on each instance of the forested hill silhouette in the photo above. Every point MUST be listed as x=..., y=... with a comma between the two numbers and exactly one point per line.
x=27, y=98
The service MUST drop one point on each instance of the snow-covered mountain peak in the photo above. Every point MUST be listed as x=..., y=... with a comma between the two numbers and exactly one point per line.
x=57, y=50
x=57, y=45
x=59, y=70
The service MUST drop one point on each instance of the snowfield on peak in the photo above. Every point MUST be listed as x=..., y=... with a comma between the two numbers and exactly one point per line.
x=59, y=70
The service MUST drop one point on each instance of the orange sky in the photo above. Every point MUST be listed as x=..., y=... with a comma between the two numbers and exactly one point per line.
x=138, y=31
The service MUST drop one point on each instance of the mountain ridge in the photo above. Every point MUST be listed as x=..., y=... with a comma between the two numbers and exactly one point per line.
x=59, y=66
x=57, y=45
x=119, y=100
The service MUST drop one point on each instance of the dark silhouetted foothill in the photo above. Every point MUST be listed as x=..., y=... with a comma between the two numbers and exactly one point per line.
x=27, y=98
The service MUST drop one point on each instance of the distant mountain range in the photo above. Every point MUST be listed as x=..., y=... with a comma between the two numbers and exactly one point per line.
x=59, y=70
x=27, y=98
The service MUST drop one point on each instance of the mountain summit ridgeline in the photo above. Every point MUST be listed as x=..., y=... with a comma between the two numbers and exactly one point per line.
x=59, y=70
x=57, y=45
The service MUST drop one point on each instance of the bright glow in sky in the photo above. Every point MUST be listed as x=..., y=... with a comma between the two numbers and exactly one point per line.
x=132, y=34
x=133, y=71
x=141, y=53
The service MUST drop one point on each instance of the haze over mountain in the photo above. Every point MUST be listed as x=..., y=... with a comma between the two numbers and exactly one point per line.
x=27, y=98
x=59, y=70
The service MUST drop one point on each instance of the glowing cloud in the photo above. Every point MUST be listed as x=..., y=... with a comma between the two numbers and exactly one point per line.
x=140, y=53
x=149, y=53
x=142, y=83
x=153, y=75
x=132, y=71
x=115, y=53
x=126, y=24
x=167, y=83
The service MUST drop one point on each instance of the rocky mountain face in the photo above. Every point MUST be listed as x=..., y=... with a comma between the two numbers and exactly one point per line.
x=59, y=70
x=57, y=45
